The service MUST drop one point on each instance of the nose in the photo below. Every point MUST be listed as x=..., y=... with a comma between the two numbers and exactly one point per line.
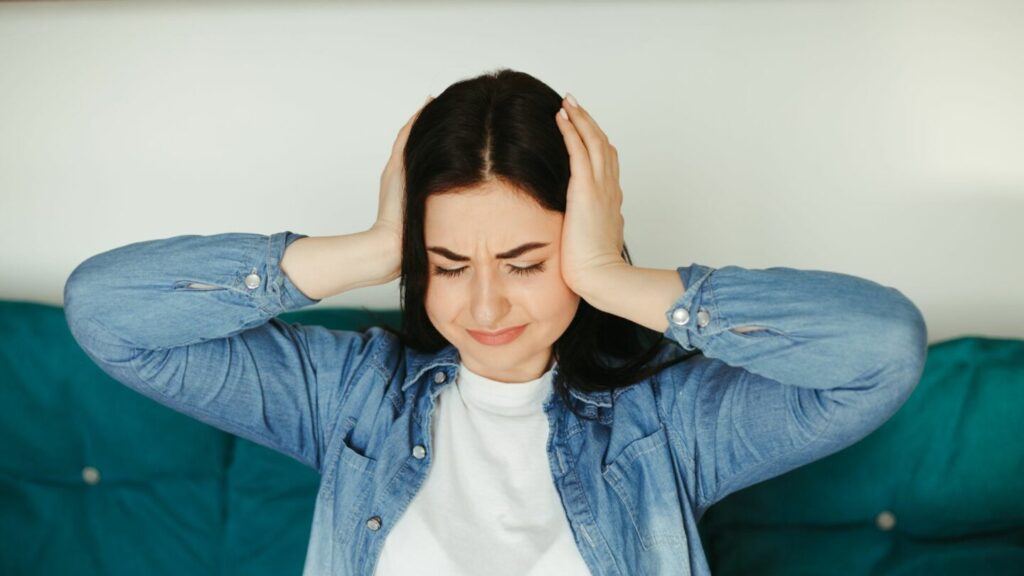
x=488, y=300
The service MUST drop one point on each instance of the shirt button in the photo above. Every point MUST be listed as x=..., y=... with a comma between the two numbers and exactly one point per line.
x=885, y=520
x=439, y=376
x=373, y=523
x=90, y=475
x=703, y=318
x=252, y=281
x=680, y=316
x=418, y=452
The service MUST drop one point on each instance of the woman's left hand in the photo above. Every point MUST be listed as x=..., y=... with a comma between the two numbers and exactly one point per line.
x=592, y=228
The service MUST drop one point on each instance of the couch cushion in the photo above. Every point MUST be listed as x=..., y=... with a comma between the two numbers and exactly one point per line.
x=94, y=477
x=935, y=490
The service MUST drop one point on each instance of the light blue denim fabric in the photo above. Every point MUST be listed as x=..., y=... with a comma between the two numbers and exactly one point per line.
x=189, y=321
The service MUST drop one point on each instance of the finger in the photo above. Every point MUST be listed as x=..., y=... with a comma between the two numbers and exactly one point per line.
x=609, y=156
x=613, y=161
x=417, y=114
x=579, y=160
x=403, y=134
x=591, y=134
x=412, y=120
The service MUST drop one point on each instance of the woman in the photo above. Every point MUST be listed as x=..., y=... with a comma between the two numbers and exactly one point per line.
x=598, y=409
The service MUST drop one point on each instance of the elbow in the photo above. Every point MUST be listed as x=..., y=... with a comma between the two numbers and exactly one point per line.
x=72, y=290
x=74, y=307
x=76, y=289
x=906, y=343
x=911, y=343
x=80, y=301
x=892, y=379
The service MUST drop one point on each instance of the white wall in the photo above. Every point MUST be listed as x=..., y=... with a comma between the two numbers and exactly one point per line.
x=882, y=139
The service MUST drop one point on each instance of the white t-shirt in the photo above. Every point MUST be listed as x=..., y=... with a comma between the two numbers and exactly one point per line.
x=489, y=503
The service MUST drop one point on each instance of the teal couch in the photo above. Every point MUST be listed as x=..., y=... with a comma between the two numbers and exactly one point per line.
x=96, y=479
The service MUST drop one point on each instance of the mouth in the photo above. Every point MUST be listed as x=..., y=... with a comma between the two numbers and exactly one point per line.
x=499, y=337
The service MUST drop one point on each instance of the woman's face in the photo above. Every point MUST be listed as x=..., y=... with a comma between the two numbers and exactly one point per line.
x=488, y=293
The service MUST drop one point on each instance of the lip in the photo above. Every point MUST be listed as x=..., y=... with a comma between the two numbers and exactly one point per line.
x=497, y=338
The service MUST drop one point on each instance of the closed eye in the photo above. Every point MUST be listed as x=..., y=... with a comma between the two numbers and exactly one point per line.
x=512, y=270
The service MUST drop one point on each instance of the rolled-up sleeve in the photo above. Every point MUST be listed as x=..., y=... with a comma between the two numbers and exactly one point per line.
x=828, y=359
x=190, y=322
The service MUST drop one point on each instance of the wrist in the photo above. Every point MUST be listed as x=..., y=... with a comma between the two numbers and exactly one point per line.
x=641, y=295
x=593, y=286
x=387, y=251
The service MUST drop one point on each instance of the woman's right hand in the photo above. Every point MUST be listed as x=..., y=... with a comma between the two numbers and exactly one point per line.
x=390, y=210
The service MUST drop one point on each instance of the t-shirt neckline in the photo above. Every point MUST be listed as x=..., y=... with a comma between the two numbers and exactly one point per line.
x=504, y=398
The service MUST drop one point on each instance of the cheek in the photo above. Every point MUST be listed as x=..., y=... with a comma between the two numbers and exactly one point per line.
x=554, y=299
x=570, y=303
x=440, y=303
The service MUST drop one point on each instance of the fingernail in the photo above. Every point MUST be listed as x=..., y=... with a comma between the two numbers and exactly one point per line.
x=572, y=100
x=563, y=114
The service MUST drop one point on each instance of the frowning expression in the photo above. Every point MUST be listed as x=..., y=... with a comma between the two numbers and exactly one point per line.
x=493, y=264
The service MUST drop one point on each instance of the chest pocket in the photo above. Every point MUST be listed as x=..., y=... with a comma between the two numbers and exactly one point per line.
x=346, y=484
x=643, y=478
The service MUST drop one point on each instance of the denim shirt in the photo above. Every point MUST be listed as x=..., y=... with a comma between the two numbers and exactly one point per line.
x=189, y=321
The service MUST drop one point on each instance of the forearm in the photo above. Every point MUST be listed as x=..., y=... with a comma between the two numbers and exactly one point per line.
x=809, y=328
x=322, y=266
x=181, y=290
x=641, y=295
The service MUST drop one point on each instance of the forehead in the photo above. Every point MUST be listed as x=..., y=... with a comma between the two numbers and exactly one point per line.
x=493, y=214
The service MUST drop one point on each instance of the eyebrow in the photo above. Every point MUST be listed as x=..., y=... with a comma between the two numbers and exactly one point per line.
x=513, y=253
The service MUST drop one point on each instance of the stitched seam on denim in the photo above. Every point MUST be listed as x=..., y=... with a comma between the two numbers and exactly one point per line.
x=573, y=469
x=723, y=319
x=378, y=351
x=321, y=434
x=346, y=389
x=616, y=480
x=631, y=456
x=331, y=458
x=357, y=373
x=691, y=329
x=271, y=308
x=670, y=429
x=681, y=447
x=360, y=497
x=355, y=460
